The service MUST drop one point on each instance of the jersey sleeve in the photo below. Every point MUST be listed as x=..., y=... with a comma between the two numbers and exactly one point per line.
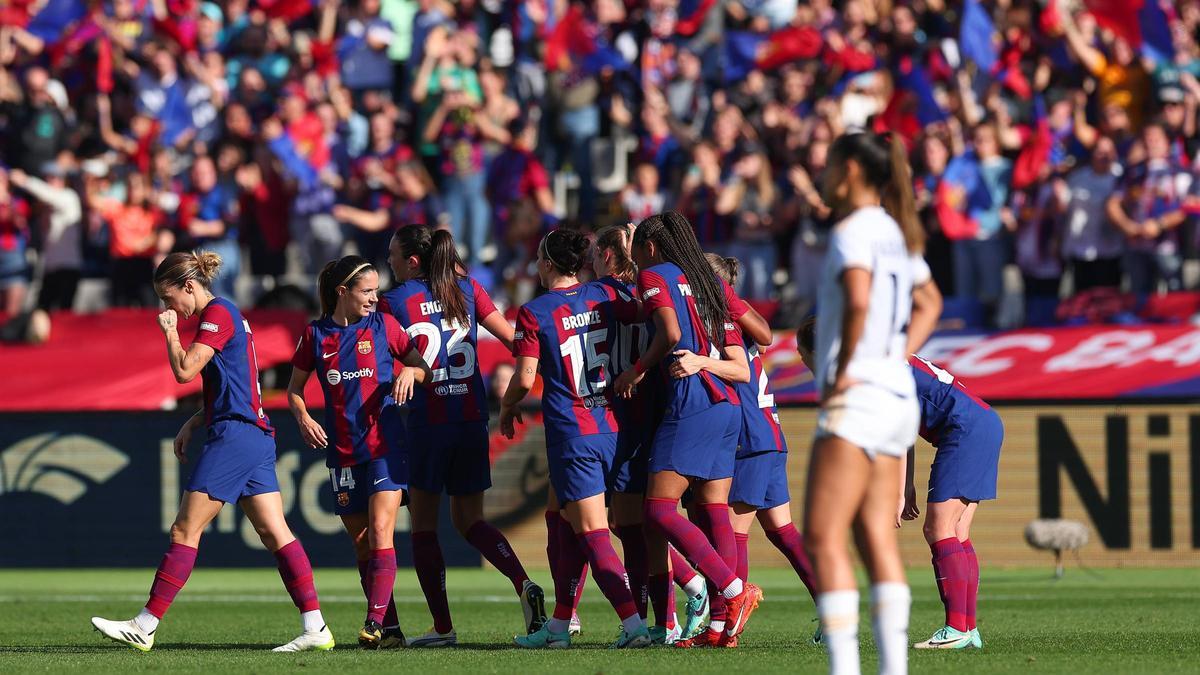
x=399, y=344
x=654, y=291
x=484, y=307
x=305, y=358
x=920, y=271
x=525, y=339
x=216, y=327
x=737, y=306
x=384, y=306
x=733, y=335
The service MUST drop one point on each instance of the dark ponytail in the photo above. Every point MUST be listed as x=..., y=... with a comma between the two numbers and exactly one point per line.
x=566, y=249
x=676, y=242
x=345, y=271
x=884, y=163
x=440, y=266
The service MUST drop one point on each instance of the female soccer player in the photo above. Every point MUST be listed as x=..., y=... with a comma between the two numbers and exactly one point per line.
x=447, y=430
x=760, y=474
x=869, y=413
x=695, y=443
x=355, y=348
x=238, y=460
x=570, y=332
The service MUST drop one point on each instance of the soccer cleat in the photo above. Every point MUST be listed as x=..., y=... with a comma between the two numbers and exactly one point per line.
x=976, y=641
x=946, y=638
x=434, y=639
x=741, y=607
x=575, y=626
x=309, y=641
x=371, y=635
x=533, y=603
x=393, y=638
x=707, y=638
x=635, y=640
x=660, y=635
x=125, y=632
x=728, y=642
x=695, y=614
x=542, y=638
x=818, y=637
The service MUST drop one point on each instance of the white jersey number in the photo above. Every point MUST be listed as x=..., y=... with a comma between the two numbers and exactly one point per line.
x=943, y=376
x=454, y=335
x=582, y=358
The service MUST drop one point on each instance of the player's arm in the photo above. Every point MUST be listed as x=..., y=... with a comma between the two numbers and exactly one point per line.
x=756, y=327
x=415, y=371
x=732, y=367
x=926, y=310
x=186, y=364
x=856, y=288
x=185, y=434
x=666, y=335
x=497, y=325
x=313, y=433
x=908, y=509
x=518, y=388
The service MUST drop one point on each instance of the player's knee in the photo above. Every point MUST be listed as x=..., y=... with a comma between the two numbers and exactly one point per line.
x=934, y=532
x=273, y=537
x=463, y=521
x=380, y=535
x=185, y=533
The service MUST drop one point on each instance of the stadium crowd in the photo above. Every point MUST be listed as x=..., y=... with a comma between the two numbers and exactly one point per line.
x=1055, y=139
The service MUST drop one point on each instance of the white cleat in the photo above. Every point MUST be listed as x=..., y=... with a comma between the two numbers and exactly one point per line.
x=575, y=627
x=124, y=632
x=309, y=641
x=434, y=639
x=533, y=604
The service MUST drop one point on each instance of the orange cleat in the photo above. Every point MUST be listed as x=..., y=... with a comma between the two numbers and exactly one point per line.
x=741, y=607
x=709, y=638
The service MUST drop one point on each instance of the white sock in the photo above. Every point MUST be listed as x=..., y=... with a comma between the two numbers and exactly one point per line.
x=146, y=621
x=890, y=603
x=717, y=626
x=632, y=623
x=312, y=621
x=732, y=590
x=839, y=628
x=558, y=625
x=694, y=587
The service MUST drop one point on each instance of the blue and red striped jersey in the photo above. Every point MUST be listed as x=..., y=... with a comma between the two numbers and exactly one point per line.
x=643, y=409
x=356, y=366
x=945, y=402
x=572, y=332
x=665, y=285
x=451, y=350
x=231, y=387
x=760, y=418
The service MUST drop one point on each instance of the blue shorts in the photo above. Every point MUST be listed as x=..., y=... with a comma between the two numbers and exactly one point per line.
x=632, y=458
x=449, y=457
x=238, y=461
x=967, y=461
x=582, y=467
x=701, y=446
x=760, y=480
x=354, y=485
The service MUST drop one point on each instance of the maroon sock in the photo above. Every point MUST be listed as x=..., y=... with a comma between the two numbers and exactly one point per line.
x=662, y=596
x=297, y=576
x=690, y=541
x=716, y=601
x=583, y=574
x=972, y=581
x=172, y=574
x=743, y=554
x=390, y=618
x=382, y=569
x=552, y=518
x=431, y=573
x=681, y=569
x=950, y=567
x=791, y=544
x=491, y=543
x=633, y=543
x=608, y=571
x=570, y=566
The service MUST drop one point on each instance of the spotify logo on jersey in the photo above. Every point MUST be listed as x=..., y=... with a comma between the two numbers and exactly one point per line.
x=334, y=377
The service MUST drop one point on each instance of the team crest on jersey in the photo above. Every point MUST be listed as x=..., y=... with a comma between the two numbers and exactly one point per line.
x=650, y=293
x=343, y=499
x=364, y=347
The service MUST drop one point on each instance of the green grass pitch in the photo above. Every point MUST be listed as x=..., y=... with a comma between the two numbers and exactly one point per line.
x=1107, y=621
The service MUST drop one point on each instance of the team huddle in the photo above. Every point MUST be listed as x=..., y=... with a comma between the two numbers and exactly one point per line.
x=654, y=394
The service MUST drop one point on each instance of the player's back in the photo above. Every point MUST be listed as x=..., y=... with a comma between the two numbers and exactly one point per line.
x=450, y=348
x=231, y=386
x=572, y=332
x=665, y=286
x=945, y=402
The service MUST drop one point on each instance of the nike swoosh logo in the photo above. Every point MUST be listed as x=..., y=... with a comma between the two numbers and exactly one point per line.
x=380, y=481
x=378, y=606
x=325, y=356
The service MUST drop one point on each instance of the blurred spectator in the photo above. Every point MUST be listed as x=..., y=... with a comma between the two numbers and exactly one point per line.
x=14, y=238
x=138, y=237
x=979, y=261
x=37, y=120
x=749, y=198
x=642, y=198
x=207, y=217
x=61, y=227
x=519, y=191
x=1092, y=246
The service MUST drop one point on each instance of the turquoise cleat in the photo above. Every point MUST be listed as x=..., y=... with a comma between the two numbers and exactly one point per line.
x=542, y=638
x=695, y=614
x=635, y=640
x=661, y=636
x=946, y=638
x=976, y=641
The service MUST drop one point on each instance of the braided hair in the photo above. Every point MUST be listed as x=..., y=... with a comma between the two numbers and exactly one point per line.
x=676, y=241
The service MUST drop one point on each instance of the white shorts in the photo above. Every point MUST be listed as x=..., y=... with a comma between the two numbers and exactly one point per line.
x=879, y=421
